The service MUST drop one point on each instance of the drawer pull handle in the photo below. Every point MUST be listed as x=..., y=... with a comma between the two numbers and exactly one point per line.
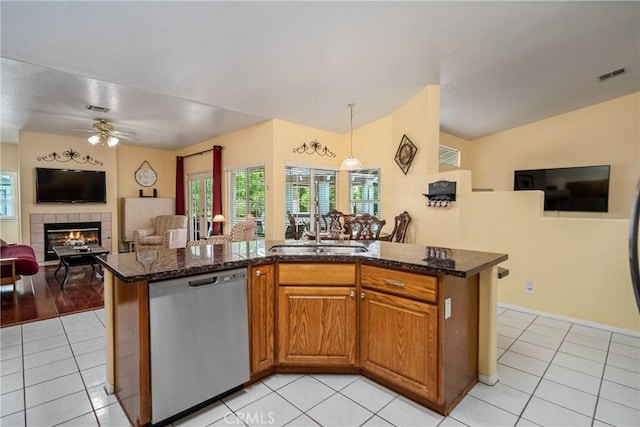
x=393, y=283
x=258, y=273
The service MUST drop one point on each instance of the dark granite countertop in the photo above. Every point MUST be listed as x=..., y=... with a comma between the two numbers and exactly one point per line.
x=171, y=263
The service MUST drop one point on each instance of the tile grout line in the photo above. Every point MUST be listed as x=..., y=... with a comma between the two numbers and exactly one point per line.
x=604, y=368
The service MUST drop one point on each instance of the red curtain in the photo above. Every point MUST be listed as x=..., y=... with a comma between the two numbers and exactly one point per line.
x=179, y=185
x=217, y=186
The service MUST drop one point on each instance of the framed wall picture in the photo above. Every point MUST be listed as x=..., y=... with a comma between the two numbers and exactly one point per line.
x=405, y=154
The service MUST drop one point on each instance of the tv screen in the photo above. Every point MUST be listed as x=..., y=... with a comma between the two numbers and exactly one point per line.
x=583, y=189
x=70, y=186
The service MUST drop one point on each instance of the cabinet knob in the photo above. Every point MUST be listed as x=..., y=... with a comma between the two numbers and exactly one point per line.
x=258, y=273
x=352, y=294
x=361, y=295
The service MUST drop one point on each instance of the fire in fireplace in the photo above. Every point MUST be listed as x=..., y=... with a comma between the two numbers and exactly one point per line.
x=70, y=233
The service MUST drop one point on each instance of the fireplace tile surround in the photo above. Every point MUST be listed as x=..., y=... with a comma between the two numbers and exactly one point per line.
x=37, y=221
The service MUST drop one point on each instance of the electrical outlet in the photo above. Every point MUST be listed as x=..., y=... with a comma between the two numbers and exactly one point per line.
x=528, y=287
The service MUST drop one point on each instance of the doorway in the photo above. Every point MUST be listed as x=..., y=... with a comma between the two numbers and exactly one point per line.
x=200, y=205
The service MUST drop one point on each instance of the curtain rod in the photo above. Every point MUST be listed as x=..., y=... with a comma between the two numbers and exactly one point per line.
x=198, y=153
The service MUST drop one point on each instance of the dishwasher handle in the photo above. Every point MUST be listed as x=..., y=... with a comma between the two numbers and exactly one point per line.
x=203, y=282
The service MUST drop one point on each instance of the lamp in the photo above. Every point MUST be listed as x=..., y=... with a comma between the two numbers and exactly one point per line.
x=351, y=163
x=103, y=134
x=219, y=219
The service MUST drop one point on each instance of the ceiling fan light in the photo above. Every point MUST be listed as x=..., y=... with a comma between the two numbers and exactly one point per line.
x=112, y=141
x=94, y=139
x=351, y=164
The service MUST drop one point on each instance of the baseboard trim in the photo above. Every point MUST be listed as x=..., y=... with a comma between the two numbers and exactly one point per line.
x=108, y=388
x=492, y=380
x=572, y=320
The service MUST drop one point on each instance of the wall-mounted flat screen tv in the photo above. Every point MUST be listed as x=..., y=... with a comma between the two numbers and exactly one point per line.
x=583, y=189
x=70, y=186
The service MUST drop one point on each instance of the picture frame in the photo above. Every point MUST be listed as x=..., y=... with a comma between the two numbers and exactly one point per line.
x=405, y=154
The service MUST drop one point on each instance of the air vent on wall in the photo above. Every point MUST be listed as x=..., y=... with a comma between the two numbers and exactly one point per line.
x=612, y=74
x=97, y=108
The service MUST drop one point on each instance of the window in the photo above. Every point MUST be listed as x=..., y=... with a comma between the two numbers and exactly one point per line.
x=246, y=194
x=364, y=191
x=302, y=186
x=7, y=195
x=449, y=156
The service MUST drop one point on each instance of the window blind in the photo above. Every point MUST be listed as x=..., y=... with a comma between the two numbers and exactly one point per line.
x=449, y=156
x=302, y=186
x=364, y=191
x=246, y=189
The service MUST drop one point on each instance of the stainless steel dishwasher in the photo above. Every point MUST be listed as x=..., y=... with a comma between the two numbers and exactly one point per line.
x=199, y=339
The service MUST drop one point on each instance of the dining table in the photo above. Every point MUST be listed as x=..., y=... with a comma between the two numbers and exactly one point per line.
x=311, y=235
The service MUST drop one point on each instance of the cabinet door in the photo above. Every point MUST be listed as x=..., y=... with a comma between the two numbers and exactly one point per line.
x=316, y=325
x=398, y=341
x=262, y=317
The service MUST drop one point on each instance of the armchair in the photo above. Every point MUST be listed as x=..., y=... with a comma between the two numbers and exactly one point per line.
x=16, y=261
x=168, y=231
x=242, y=231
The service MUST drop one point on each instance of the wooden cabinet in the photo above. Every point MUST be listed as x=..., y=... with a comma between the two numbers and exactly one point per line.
x=316, y=315
x=399, y=341
x=261, y=295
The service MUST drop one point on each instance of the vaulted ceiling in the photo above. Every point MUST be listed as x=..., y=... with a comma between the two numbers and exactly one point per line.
x=177, y=73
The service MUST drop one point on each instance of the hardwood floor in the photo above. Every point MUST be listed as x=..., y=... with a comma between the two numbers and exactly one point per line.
x=40, y=296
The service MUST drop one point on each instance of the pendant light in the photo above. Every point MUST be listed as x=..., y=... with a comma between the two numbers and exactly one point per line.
x=351, y=163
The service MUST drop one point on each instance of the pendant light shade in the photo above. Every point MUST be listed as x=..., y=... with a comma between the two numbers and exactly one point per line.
x=351, y=163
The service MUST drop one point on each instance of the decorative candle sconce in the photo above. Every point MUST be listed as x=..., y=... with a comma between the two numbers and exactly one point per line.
x=441, y=194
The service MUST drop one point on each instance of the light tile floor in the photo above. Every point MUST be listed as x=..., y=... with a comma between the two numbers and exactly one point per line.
x=552, y=373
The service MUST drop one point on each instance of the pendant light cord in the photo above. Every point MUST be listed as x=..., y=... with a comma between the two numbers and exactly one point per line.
x=351, y=139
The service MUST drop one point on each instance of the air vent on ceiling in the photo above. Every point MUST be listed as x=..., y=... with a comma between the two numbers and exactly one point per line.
x=97, y=108
x=612, y=74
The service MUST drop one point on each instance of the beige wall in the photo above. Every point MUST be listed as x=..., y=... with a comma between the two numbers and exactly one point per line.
x=578, y=266
x=129, y=158
x=33, y=145
x=605, y=133
x=10, y=162
x=577, y=262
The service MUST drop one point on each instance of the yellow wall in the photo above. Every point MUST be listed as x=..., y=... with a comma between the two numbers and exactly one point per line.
x=578, y=266
x=33, y=145
x=605, y=133
x=10, y=162
x=129, y=158
x=577, y=262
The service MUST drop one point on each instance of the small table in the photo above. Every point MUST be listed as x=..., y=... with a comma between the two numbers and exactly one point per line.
x=72, y=256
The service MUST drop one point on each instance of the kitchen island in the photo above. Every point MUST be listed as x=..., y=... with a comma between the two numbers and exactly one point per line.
x=442, y=302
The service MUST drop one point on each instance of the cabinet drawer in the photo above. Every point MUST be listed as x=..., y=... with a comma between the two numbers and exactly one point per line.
x=317, y=274
x=399, y=282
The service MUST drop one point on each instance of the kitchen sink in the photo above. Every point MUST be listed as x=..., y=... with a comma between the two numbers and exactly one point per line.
x=317, y=249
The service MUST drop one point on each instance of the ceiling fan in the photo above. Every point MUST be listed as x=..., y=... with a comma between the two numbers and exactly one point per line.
x=104, y=133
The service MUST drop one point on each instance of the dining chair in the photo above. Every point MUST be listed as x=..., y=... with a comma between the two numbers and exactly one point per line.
x=366, y=227
x=293, y=226
x=401, y=223
x=333, y=221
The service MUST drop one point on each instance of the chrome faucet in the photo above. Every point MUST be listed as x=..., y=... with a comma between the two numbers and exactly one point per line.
x=317, y=218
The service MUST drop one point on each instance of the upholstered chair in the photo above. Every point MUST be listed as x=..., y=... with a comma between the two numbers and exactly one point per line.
x=243, y=231
x=213, y=240
x=168, y=231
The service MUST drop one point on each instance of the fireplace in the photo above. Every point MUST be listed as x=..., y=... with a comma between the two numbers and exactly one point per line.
x=70, y=233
